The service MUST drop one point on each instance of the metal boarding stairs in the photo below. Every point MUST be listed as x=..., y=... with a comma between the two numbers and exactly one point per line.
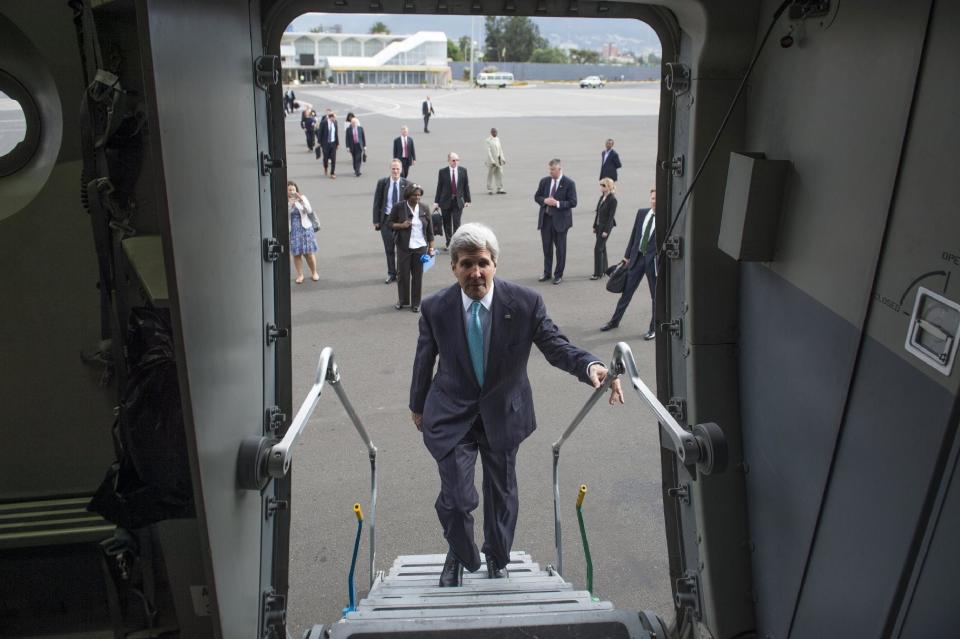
x=533, y=600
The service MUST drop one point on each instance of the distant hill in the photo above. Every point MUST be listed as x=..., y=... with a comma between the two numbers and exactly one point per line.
x=584, y=33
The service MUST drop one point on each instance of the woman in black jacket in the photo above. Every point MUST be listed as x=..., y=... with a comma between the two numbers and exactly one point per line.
x=603, y=223
x=413, y=234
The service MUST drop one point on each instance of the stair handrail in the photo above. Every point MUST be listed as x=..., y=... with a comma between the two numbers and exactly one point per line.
x=704, y=447
x=280, y=454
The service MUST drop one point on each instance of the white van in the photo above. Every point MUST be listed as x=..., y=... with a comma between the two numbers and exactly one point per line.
x=494, y=79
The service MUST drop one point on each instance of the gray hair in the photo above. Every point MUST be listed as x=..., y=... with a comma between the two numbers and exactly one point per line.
x=474, y=237
x=555, y=162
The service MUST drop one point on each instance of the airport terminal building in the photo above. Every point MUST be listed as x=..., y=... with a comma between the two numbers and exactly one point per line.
x=366, y=58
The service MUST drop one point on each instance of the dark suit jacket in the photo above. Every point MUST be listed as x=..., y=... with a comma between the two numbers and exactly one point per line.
x=427, y=107
x=398, y=149
x=380, y=198
x=609, y=168
x=325, y=132
x=444, y=193
x=401, y=213
x=636, y=236
x=361, y=137
x=451, y=400
x=604, y=220
x=567, y=197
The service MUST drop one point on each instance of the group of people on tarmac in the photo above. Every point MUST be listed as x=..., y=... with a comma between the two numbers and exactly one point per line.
x=409, y=228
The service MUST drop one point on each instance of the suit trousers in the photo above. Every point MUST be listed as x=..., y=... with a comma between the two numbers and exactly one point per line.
x=330, y=156
x=600, y=255
x=495, y=175
x=311, y=138
x=389, y=247
x=357, y=159
x=642, y=265
x=551, y=237
x=458, y=499
x=405, y=164
x=451, y=220
x=410, y=275
x=426, y=123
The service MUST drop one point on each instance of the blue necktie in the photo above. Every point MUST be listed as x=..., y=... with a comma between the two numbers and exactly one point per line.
x=475, y=340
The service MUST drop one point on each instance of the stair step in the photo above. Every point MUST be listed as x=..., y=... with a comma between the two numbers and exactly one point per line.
x=593, y=624
x=515, y=556
x=480, y=610
x=455, y=599
x=512, y=569
x=548, y=584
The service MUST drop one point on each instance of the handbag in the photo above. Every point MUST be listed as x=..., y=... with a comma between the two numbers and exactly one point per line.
x=314, y=221
x=618, y=278
x=364, y=156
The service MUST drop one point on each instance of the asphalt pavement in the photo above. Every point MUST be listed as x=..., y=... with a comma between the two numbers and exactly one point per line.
x=616, y=449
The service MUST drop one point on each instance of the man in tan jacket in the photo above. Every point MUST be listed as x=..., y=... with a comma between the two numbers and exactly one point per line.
x=495, y=161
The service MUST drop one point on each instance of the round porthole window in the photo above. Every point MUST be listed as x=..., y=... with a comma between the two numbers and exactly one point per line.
x=19, y=125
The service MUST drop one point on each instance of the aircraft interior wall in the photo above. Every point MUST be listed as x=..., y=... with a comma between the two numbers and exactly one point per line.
x=52, y=309
x=846, y=434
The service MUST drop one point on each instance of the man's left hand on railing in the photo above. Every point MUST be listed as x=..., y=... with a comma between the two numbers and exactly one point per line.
x=598, y=374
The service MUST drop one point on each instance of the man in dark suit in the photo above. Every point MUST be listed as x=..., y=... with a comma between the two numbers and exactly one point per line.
x=389, y=191
x=427, y=108
x=404, y=150
x=609, y=162
x=356, y=143
x=641, y=258
x=329, y=143
x=482, y=330
x=452, y=195
x=321, y=133
x=557, y=197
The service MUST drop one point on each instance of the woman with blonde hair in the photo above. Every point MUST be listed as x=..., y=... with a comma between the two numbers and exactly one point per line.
x=603, y=223
x=303, y=244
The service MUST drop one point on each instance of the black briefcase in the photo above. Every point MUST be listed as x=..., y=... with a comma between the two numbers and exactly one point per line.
x=618, y=277
x=437, y=220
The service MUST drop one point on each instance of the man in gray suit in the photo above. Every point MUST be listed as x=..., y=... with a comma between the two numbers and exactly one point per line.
x=479, y=401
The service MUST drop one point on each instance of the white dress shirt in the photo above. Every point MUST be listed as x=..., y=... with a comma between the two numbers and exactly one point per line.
x=416, y=230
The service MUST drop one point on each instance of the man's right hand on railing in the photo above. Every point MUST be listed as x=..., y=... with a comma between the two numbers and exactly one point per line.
x=417, y=420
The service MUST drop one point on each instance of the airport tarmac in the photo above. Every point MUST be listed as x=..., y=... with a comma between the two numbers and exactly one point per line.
x=615, y=451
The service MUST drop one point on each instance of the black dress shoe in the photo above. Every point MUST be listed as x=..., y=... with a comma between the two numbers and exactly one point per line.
x=649, y=335
x=493, y=572
x=390, y=278
x=594, y=277
x=415, y=309
x=609, y=326
x=543, y=278
x=452, y=575
x=557, y=280
x=398, y=306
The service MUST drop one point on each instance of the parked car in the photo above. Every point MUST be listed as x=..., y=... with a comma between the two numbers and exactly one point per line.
x=592, y=81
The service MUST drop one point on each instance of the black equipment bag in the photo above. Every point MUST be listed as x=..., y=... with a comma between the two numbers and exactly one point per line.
x=437, y=220
x=150, y=481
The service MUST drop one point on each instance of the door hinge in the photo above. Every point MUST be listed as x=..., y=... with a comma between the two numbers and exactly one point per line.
x=275, y=506
x=674, y=327
x=675, y=166
x=677, y=406
x=267, y=69
x=688, y=593
x=274, y=333
x=268, y=164
x=673, y=246
x=272, y=249
x=274, y=614
x=273, y=421
x=681, y=492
